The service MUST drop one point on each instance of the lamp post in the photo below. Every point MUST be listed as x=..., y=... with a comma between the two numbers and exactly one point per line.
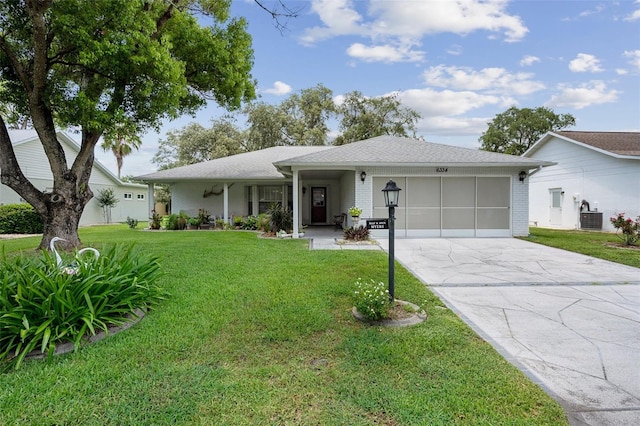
x=391, y=197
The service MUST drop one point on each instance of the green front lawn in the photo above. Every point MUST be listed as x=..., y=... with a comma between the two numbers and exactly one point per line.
x=603, y=245
x=259, y=332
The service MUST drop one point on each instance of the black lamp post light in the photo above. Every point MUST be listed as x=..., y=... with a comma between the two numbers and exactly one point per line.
x=391, y=197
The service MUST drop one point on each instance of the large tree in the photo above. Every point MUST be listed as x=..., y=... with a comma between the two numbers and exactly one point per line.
x=94, y=65
x=364, y=118
x=306, y=115
x=516, y=129
x=194, y=143
x=266, y=124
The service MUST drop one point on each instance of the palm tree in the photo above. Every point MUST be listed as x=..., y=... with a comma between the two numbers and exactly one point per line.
x=121, y=142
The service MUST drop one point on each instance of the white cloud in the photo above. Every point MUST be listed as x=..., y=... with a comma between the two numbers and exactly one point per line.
x=279, y=89
x=455, y=50
x=491, y=80
x=633, y=16
x=395, y=27
x=585, y=63
x=433, y=103
x=528, y=60
x=417, y=18
x=634, y=58
x=587, y=94
x=339, y=18
x=384, y=53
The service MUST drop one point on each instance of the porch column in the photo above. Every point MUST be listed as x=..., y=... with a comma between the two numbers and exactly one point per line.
x=151, y=198
x=225, y=210
x=296, y=204
x=255, y=205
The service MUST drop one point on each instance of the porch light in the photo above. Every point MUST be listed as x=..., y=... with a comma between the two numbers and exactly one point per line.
x=363, y=176
x=522, y=176
x=391, y=194
x=391, y=197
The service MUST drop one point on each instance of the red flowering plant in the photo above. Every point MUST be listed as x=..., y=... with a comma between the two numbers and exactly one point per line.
x=626, y=228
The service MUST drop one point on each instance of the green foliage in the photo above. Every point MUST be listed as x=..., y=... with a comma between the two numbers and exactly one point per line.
x=281, y=218
x=364, y=118
x=515, y=130
x=355, y=211
x=195, y=143
x=237, y=221
x=627, y=228
x=356, y=233
x=306, y=116
x=42, y=305
x=20, y=219
x=250, y=223
x=107, y=65
x=155, y=220
x=371, y=299
x=133, y=223
x=177, y=222
x=106, y=198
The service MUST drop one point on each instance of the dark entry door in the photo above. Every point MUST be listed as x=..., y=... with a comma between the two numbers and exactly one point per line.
x=318, y=204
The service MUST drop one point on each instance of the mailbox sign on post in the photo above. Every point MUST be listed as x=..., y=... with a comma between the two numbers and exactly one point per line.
x=377, y=223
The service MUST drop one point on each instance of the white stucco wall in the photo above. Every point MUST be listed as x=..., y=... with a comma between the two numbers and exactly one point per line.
x=189, y=197
x=608, y=184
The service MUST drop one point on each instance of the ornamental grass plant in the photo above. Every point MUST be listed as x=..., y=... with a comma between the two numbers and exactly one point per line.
x=259, y=331
x=43, y=305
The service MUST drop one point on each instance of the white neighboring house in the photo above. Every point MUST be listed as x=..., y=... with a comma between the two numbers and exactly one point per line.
x=597, y=175
x=35, y=166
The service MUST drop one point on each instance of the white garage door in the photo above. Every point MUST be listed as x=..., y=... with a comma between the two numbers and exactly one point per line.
x=449, y=206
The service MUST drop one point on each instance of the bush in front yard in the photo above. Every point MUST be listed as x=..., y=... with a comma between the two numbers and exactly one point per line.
x=20, y=219
x=42, y=304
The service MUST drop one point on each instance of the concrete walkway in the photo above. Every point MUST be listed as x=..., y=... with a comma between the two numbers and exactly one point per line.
x=568, y=321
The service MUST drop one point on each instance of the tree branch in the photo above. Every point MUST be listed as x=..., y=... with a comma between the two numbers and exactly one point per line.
x=276, y=14
x=11, y=174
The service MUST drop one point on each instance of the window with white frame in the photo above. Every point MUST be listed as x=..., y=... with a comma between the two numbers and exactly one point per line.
x=128, y=196
x=140, y=197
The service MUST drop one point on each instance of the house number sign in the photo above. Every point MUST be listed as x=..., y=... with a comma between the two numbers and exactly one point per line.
x=442, y=169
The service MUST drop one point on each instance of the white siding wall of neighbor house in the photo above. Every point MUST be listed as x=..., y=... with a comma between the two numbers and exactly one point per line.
x=610, y=185
x=454, y=202
x=34, y=165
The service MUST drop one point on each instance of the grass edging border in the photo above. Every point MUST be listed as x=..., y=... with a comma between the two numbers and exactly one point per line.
x=418, y=317
x=67, y=347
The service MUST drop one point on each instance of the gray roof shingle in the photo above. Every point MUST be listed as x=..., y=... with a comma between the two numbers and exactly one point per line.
x=392, y=150
x=249, y=165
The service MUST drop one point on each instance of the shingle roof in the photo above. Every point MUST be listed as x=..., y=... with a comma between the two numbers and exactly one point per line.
x=392, y=150
x=622, y=143
x=249, y=165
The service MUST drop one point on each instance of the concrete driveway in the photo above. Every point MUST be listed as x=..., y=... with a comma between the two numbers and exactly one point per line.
x=570, y=322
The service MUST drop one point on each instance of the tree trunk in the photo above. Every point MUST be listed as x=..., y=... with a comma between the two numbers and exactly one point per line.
x=62, y=221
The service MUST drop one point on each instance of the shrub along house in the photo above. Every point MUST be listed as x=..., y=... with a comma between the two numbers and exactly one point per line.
x=447, y=191
x=597, y=175
x=35, y=166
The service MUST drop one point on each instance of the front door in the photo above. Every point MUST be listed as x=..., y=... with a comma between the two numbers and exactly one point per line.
x=318, y=204
x=555, y=212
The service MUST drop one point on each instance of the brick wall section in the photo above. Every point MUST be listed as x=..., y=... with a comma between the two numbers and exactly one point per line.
x=519, y=207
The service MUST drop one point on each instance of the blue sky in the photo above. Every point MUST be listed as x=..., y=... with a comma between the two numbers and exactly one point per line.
x=458, y=63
